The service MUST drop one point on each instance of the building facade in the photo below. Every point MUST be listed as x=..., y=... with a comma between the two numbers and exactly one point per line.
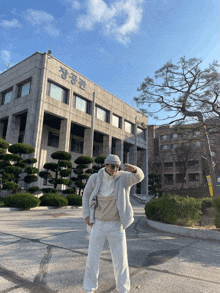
x=50, y=106
x=164, y=159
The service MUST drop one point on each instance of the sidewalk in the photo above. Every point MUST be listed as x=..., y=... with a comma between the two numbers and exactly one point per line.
x=44, y=251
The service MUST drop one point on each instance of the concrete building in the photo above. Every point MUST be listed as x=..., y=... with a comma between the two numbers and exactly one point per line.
x=163, y=142
x=50, y=106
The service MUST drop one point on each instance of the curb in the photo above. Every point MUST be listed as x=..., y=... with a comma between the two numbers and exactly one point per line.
x=191, y=232
x=41, y=208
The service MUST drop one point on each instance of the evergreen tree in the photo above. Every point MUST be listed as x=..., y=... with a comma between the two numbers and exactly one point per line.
x=82, y=163
x=56, y=173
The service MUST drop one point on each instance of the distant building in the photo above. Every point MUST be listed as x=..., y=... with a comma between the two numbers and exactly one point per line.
x=50, y=106
x=162, y=144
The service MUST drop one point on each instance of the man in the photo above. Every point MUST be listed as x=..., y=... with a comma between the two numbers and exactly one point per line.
x=107, y=209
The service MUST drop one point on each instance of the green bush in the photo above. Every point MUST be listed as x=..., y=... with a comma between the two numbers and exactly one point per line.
x=33, y=189
x=70, y=190
x=174, y=209
x=74, y=200
x=22, y=200
x=53, y=199
x=49, y=190
x=207, y=202
x=10, y=186
x=2, y=201
x=217, y=212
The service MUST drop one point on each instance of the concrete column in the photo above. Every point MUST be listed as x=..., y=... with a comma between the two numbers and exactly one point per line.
x=133, y=155
x=88, y=142
x=119, y=149
x=13, y=129
x=144, y=167
x=30, y=127
x=107, y=145
x=133, y=161
x=64, y=138
x=37, y=137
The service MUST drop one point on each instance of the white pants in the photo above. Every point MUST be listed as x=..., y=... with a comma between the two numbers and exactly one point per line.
x=114, y=232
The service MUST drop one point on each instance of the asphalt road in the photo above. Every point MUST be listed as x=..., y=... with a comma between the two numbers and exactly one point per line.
x=45, y=252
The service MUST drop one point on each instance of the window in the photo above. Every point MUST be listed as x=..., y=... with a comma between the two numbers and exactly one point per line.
x=196, y=133
x=180, y=163
x=174, y=146
x=163, y=137
x=128, y=127
x=174, y=135
x=53, y=139
x=95, y=150
x=164, y=147
x=82, y=105
x=168, y=164
x=168, y=179
x=6, y=97
x=21, y=138
x=193, y=177
x=198, y=144
x=102, y=114
x=77, y=146
x=24, y=89
x=180, y=178
x=193, y=163
x=140, y=132
x=116, y=121
x=212, y=130
x=57, y=92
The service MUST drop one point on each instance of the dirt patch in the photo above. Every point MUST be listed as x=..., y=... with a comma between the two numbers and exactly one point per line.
x=207, y=221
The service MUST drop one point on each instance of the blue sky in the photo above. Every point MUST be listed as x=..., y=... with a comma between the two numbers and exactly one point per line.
x=114, y=43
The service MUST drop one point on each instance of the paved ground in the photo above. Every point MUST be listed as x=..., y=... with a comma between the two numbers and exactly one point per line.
x=45, y=251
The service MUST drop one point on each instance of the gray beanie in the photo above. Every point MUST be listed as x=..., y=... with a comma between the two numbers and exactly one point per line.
x=112, y=159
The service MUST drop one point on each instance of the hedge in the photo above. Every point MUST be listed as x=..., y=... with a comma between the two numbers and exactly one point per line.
x=174, y=209
x=74, y=200
x=22, y=200
x=53, y=199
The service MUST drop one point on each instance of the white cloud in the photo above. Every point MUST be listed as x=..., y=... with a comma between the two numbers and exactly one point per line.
x=121, y=19
x=42, y=21
x=10, y=23
x=5, y=56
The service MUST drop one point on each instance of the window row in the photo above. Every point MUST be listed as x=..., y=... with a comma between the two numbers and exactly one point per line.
x=60, y=93
x=169, y=178
x=181, y=163
x=174, y=146
x=176, y=135
x=76, y=145
x=23, y=89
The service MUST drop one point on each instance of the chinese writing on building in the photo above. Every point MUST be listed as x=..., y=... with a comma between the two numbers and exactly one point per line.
x=73, y=78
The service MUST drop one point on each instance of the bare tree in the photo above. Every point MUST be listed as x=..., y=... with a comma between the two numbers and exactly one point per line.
x=185, y=91
x=181, y=156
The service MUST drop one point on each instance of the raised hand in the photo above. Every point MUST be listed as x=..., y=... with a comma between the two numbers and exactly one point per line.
x=130, y=168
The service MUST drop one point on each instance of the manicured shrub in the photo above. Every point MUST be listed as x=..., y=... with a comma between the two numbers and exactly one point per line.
x=217, y=212
x=70, y=190
x=174, y=209
x=74, y=200
x=33, y=189
x=49, y=190
x=22, y=200
x=10, y=186
x=53, y=199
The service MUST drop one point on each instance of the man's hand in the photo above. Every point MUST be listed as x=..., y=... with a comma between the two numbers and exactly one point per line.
x=87, y=221
x=130, y=168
